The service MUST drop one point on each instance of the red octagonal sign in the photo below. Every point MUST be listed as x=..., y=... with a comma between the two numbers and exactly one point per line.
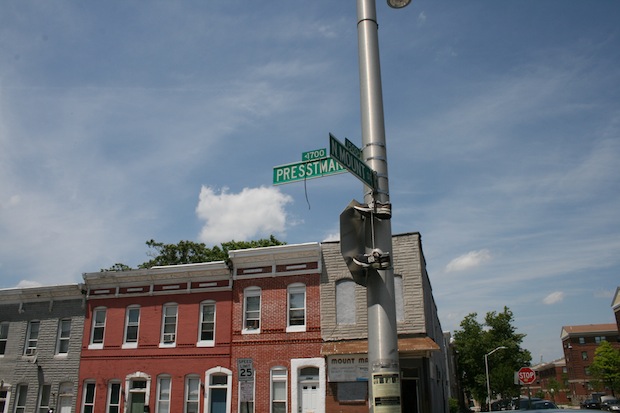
x=526, y=375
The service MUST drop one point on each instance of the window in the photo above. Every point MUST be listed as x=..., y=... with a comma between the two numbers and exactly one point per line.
x=64, y=335
x=88, y=405
x=163, y=394
x=582, y=340
x=251, y=313
x=398, y=298
x=44, y=398
x=584, y=355
x=4, y=399
x=20, y=398
x=345, y=301
x=4, y=335
x=599, y=340
x=296, y=308
x=278, y=390
x=32, y=338
x=114, y=397
x=132, y=321
x=96, y=339
x=207, y=324
x=192, y=394
x=65, y=397
x=169, y=325
x=586, y=370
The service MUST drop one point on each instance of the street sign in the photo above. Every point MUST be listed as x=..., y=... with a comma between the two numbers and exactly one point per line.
x=353, y=148
x=526, y=375
x=245, y=369
x=351, y=162
x=293, y=172
x=315, y=154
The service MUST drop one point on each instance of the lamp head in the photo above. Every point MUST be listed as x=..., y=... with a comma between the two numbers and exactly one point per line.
x=398, y=4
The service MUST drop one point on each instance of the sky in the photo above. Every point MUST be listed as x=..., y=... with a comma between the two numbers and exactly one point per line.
x=125, y=121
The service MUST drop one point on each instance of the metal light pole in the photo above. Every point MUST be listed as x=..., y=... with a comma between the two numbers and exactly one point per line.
x=383, y=362
x=486, y=365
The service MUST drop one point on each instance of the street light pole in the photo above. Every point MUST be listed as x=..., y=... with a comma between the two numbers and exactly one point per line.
x=383, y=360
x=486, y=365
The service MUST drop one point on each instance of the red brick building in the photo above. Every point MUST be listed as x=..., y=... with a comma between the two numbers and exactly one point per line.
x=276, y=329
x=552, y=382
x=579, y=343
x=157, y=340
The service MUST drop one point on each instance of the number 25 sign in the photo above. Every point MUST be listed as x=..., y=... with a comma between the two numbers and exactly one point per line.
x=245, y=369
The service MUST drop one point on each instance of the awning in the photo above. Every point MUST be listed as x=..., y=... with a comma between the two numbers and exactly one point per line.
x=413, y=346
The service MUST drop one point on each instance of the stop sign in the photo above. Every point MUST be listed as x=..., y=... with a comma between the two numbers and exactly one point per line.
x=526, y=375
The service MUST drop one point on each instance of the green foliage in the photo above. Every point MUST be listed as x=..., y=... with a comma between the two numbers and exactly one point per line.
x=474, y=340
x=117, y=267
x=190, y=252
x=454, y=405
x=606, y=366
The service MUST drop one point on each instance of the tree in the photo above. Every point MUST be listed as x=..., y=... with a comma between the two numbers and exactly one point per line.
x=606, y=366
x=475, y=340
x=190, y=252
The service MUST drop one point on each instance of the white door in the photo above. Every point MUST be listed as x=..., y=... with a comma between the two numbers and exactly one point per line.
x=309, y=395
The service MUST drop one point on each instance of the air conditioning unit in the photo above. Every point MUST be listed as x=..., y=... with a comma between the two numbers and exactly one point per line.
x=169, y=337
x=31, y=351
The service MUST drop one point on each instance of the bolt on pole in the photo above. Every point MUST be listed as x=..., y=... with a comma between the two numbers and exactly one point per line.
x=383, y=361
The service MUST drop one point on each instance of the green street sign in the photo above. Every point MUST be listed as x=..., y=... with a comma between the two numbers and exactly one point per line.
x=315, y=154
x=351, y=162
x=353, y=148
x=293, y=172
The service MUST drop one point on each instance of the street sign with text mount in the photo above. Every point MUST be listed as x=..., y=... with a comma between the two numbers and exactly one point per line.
x=351, y=162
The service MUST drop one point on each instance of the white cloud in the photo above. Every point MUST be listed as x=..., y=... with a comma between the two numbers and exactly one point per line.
x=254, y=212
x=554, y=298
x=334, y=236
x=422, y=18
x=470, y=260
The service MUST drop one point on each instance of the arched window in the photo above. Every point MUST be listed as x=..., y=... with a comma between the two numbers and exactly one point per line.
x=345, y=301
x=98, y=328
x=132, y=324
x=279, y=385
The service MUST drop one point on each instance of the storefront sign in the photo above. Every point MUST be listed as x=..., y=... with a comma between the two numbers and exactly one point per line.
x=347, y=367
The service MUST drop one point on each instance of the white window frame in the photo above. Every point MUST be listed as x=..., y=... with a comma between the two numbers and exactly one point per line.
x=4, y=336
x=162, y=404
x=345, y=293
x=65, y=393
x=297, y=288
x=61, y=339
x=201, y=342
x=128, y=324
x=251, y=292
x=89, y=403
x=195, y=380
x=209, y=386
x=98, y=325
x=44, y=398
x=169, y=339
x=32, y=340
x=274, y=378
x=5, y=397
x=21, y=396
x=111, y=389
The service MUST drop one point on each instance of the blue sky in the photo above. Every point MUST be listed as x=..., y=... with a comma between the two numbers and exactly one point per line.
x=124, y=121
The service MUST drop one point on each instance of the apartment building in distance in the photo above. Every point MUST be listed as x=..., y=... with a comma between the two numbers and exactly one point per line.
x=579, y=343
x=40, y=342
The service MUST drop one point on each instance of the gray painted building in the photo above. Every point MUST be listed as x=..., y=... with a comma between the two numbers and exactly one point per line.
x=424, y=372
x=40, y=345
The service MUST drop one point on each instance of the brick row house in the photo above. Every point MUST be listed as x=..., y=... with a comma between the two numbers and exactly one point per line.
x=40, y=344
x=276, y=329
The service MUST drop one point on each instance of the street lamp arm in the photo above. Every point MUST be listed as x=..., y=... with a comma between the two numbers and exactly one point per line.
x=486, y=367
